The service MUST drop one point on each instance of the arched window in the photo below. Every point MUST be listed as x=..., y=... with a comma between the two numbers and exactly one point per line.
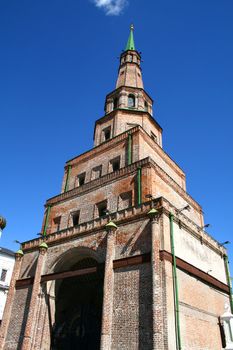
x=131, y=101
x=115, y=103
x=146, y=106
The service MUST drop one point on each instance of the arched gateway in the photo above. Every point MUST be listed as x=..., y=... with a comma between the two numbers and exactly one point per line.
x=78, y=308
x=75, y=301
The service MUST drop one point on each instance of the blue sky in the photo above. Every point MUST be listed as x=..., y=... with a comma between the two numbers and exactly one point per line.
x=59, y=58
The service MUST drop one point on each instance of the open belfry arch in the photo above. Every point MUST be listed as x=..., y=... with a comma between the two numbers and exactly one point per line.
x=123, y=261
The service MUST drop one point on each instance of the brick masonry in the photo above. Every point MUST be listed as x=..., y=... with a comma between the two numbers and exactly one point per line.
x=138, y=298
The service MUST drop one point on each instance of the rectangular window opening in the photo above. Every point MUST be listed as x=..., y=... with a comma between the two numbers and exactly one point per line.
x=114, y=164
x=57, y=223
x=81, y=179
x=125, y=200
x=96, y=172
x=101, y=208
x=75, y=217
x=3, y=275
x=153, y=136
x=107, y=133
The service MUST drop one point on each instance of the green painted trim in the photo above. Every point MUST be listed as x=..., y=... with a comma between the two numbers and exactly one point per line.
x=111, y=225
x=129, y=149
x=130, y=43
x=175, y=284
x=67, y=178
x=46, y=220
x=19, y=252
x=43, y=245
x=226, y=261
x=139, y=185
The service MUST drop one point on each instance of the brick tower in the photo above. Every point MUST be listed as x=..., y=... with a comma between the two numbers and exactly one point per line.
x=123, y=261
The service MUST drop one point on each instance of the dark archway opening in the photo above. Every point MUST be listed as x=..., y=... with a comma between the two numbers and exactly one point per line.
x=79, y=309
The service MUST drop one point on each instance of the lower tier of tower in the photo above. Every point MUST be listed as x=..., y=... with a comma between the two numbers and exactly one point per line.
x=151, y=281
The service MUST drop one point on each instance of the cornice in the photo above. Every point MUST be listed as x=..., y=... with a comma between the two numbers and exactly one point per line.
x=128, y=111
x=123, y=217
x=98, y=182
x=128, y=87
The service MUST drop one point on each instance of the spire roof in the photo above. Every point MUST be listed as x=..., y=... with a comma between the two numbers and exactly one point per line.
x=130, y=43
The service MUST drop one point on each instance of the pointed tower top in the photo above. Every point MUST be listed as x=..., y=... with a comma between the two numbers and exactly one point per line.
x=130, y=43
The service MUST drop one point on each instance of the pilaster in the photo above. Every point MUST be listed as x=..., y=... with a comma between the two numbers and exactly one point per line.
x=30, y=324
x=10, y=299
x=157, y=301
x=106, y=331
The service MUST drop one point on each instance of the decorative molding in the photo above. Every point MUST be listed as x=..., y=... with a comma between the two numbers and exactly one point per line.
x=129, y=261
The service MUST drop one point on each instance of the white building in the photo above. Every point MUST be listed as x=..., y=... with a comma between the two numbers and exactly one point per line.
x=7, y=260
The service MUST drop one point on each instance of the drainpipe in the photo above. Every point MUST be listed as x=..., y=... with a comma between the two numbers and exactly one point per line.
x=226, y=261
x=139, y=185
x=46, y=220
x=175, y=285
x=129, y=152
x=67, y=179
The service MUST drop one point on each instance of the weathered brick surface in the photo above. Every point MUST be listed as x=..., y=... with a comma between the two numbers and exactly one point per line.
x=132, y=315
x=18, y=319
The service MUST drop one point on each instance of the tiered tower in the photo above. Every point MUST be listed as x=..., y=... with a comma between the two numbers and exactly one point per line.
x=123, y=261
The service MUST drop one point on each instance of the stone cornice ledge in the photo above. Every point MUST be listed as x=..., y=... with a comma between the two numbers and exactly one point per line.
x=98, y=182
x=93, y=226
x=123, y=217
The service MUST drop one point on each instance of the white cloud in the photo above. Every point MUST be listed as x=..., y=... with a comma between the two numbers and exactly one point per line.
x=111, y=7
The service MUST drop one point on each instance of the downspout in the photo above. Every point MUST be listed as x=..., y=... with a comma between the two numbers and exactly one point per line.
x=175, y=285
x=129, y=151
x=46, y=221
x=139, y=185
x=226, y=261
x=67, y=179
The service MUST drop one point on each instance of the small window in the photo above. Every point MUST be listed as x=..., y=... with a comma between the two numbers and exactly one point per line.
x=81, y=179
x=131, y=101
x=96, y=172
x=57, y=223
x=3, y=275
x=125, y=200
x=146, y=106
x=107, y=132
x=114, y=164
x=75, y=217
x=130, y=58
x=153, y=136
x=115, y=106
x=101, y=208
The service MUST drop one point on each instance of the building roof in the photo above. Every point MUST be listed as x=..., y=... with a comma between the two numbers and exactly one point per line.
x=7, y=251
x=130, y=43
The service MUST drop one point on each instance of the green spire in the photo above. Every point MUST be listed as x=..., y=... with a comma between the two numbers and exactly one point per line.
x=130, y=43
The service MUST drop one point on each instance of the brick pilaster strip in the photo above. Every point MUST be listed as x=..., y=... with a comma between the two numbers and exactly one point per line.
x=157, y=302
x=9, y=302
x=30, y=324
x=106, y=331
x=194, y=271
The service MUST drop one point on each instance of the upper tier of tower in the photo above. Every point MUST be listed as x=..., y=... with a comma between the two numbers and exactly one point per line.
x=129, y=104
